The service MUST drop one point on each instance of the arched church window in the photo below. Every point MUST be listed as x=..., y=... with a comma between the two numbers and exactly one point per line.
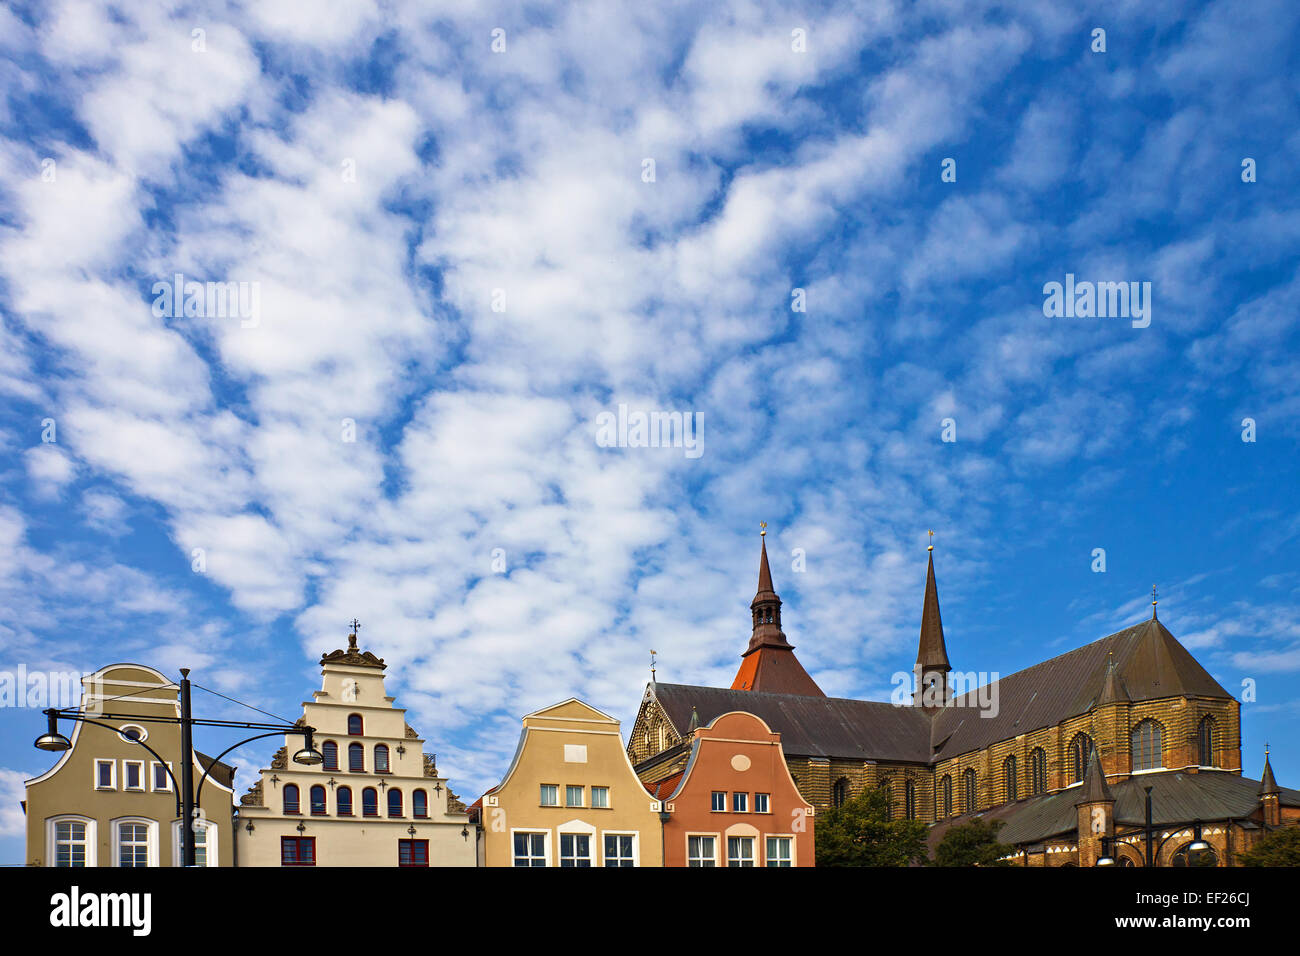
x=1009, y=779
x=1205, y=742
x=972, y=791
x=1037, y=771
x=1146, y=743
x=1080, y=752
x=840, y=792
x=909, y=800
x=945, y=795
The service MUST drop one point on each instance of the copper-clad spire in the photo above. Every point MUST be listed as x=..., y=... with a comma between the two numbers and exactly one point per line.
x=768, y=663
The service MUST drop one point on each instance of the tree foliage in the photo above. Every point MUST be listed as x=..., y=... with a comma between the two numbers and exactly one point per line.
x=861, y=833
x=1280, y=848
x=972, y=844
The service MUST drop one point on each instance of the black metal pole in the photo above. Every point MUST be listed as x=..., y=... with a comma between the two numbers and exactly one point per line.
x=187, y=772
x=1150, y=834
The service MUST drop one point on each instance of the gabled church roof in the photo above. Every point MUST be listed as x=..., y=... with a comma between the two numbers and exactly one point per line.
x=810, y=726
x=1149, y=662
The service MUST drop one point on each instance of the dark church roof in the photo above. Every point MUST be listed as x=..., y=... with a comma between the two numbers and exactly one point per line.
x=810, y=726
x=1177, y=799
x=1149, y=663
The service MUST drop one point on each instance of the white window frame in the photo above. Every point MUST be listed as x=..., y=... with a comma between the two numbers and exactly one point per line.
x=740, y=797
x=592, y=849
x=541, y=794
x=568, y=794
x=211, y=832
x=751, y=860
x=139, y=765
x=91, y=839
x=713, y=800
x=780, y=836
x=636, y=844
x=604, y=804
x=112, y=774
x=151, y=838
x=709, y=836
x=154, y=766
x=766, y=801
x=546, y=844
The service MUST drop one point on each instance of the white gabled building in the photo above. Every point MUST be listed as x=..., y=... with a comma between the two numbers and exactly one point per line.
x=377, y=799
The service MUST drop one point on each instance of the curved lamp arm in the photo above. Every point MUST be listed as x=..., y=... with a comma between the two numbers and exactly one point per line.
x=176, y=787
x=198, y=791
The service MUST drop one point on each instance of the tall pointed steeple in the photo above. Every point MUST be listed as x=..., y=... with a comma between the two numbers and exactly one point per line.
x=932, y=665
x=768, y=663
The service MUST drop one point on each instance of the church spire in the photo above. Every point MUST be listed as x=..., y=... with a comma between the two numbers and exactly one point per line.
x=769, y=664
x=1268, y=784
x=766, y=606
x=932, y=665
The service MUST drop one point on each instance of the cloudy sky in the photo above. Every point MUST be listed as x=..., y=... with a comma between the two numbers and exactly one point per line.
x=471, y=228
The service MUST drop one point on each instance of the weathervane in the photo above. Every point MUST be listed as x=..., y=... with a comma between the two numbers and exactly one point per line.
x=763, y=526
x=931, y=547
x=653, y=652
x=1153, y=602
x=352, y=638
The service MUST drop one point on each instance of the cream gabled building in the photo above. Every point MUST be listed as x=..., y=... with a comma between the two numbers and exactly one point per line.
x=377, y=800
x=570, y=797
x=111, y=798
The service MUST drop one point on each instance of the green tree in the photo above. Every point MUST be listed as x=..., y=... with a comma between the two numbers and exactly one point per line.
x=972, y=844
x=1280, y=848
x=861, y=833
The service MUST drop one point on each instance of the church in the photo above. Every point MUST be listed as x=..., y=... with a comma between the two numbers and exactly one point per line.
x=1125, y=751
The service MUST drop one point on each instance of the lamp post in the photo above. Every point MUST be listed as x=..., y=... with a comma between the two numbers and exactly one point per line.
x=187, y=796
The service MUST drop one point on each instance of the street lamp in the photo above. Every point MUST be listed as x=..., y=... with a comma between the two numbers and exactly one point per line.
x=52, y=740
x=1197, y=844
x=1105, y=859
x=187, y=795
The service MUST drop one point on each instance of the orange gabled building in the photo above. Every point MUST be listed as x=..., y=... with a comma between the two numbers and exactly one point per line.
x=735, y=803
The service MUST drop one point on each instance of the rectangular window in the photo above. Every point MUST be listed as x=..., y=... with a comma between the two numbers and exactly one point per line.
x=573, y=796
x=550, y=795
x=700, y=851
x=201, y=846
x=778, y=851
x=600, y=797
x=761, y=803
x=719, y=801
x=132, y=774
x=297, y=851
x=70, y=843
x=575, y=849
x=105, y=774
x=530, y=849
x=740, y=851
x=132, y=844
x=412, y=852
x=161, y=779
x=740, y=802
x=618, y=849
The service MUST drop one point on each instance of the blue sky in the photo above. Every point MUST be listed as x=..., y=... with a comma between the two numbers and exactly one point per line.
x=383, y=178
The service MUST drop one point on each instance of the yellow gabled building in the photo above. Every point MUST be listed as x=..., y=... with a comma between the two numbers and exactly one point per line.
x=570, y=797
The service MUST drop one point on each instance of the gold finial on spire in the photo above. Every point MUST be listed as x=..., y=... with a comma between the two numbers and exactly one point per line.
x=762, y=533
x=653, y=652
x=931, y=547
x=1153, y=602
